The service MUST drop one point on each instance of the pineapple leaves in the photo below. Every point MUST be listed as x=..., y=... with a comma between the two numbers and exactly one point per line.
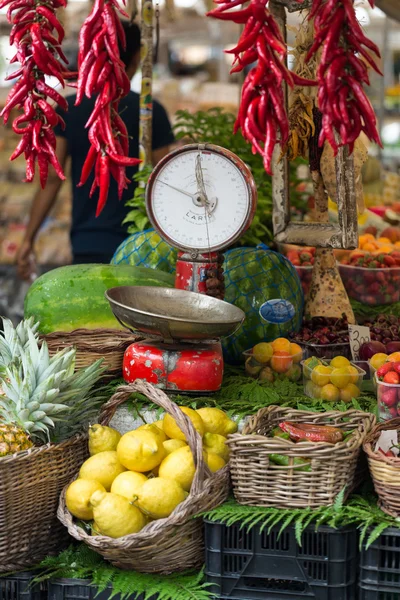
x=43, y=395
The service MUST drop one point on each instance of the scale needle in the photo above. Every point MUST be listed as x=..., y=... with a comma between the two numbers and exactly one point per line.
x=178, y=190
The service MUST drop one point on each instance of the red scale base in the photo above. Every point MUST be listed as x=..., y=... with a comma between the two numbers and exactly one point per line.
x=175, y=367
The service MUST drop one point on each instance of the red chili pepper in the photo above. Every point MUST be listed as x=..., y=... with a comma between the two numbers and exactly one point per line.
x=104, y=183
x=88, y=165
x=52, y=19
x=125, y=161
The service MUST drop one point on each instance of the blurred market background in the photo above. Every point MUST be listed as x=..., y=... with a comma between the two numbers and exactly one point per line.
x=192, y=74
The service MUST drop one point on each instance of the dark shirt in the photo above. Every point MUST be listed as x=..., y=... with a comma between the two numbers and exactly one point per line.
x=99, y=237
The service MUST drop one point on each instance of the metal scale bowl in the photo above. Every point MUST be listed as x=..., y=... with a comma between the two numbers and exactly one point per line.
x=183, y=352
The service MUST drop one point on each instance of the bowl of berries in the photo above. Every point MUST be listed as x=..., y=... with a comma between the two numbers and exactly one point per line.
x=323, y=337
x=372, y=278
x=388, y=390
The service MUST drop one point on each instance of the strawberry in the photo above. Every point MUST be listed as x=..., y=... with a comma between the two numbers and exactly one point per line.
x=396, y=367
x=388, y=397
x=389, y=261
x=386, y=368
x=392, y=378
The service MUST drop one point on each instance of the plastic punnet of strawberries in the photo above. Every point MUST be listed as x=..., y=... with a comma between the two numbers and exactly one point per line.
x=372, y=278
x=388, y=378
x=303, y=259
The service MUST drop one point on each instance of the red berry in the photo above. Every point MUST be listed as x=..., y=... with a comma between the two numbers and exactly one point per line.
x=385, y=369
x=388, y=396
x=392, y=378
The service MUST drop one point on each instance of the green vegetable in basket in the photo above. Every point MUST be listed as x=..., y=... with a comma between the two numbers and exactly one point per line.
x=277, y=432
x=283, y=461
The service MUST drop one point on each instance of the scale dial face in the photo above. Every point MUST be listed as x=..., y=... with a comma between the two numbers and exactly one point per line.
x=201, y=197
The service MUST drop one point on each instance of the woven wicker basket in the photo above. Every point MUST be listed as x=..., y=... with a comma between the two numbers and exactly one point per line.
x=30, y=486
x=385, y=471
x=109, y=344
x=259, y=482
x=166, y=545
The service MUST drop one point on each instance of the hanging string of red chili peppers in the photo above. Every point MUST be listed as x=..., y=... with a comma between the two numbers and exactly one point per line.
x=37, y=35
x=102, y=73
x=262, y=116
x=342, y=73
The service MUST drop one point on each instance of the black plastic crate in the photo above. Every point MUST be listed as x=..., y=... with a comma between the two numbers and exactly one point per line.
x=380, y=566
x=81, y=589
x=257, y=565
x=374, y=593
x=17, y=587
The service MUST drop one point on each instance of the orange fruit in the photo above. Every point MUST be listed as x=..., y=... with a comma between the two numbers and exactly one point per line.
x=281, y=362
x=384, y=250
x=330, y=392
x=397, y=244
x=369, y=247
x=395, y=357
x=383, y=240
x=281, y=345
x=354, y=374
x=296, y=352
x=368, y=236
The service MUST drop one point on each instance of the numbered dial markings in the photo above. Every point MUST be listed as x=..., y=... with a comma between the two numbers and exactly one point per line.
x=200, y=200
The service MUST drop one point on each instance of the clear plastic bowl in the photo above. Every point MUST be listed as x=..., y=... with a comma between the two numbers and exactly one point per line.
x=371, y=286
x=388, y=400
x=320, y=386
x=286, y=366
x=327, y=351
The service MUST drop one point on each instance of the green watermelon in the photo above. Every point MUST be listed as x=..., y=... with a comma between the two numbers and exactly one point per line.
x=72, y=297
x=146, y=249
x=253, y=276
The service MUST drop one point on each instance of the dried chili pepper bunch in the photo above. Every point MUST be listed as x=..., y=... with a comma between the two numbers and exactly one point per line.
x=342, y=73
x=37, y=35
x=102, y=73
x=262, y=116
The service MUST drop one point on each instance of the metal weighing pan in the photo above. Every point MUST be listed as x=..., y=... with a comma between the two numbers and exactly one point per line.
x=174, y=315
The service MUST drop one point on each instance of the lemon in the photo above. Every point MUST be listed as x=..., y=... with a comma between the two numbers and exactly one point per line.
x=213, y=442
x=140, y=450
x=159, y=424
x=128, y=484
x=77, y=498
x=158, y=497
x=171, y=445
x=339, y=361
x=354, y=374
x=153, y=428
x=115, y=516
x=179, y=465
x=378, y=360
x=340, y=377
x=102, y=438
x=173, y=431
x=263, y=352
x=321, y=375
x=103, y=467
x=216, y=421
x=214, y=462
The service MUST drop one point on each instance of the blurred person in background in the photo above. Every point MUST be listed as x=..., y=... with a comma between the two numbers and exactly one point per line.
x=94, y=240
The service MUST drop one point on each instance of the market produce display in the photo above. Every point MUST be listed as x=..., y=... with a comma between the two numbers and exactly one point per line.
x=102, y=73
x=36, y=34
x=262, y=117
x=385, y=329
x=276, y=360
x=252, y=277
x=71, y=297
x=342, y=72
x=145, y=474
x=332, y=380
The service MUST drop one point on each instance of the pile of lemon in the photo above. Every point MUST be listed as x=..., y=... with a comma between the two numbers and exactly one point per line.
x=333, y=381
x=143, y=475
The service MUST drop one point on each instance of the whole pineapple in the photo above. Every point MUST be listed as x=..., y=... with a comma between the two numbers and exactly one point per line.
x=43, y=399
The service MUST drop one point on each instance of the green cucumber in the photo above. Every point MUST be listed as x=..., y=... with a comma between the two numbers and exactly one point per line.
x=72, y=297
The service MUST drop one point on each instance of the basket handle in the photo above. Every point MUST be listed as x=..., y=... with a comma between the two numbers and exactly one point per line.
x=160, y=398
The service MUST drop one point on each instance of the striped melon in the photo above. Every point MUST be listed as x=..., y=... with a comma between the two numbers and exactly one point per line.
x=72, y=297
